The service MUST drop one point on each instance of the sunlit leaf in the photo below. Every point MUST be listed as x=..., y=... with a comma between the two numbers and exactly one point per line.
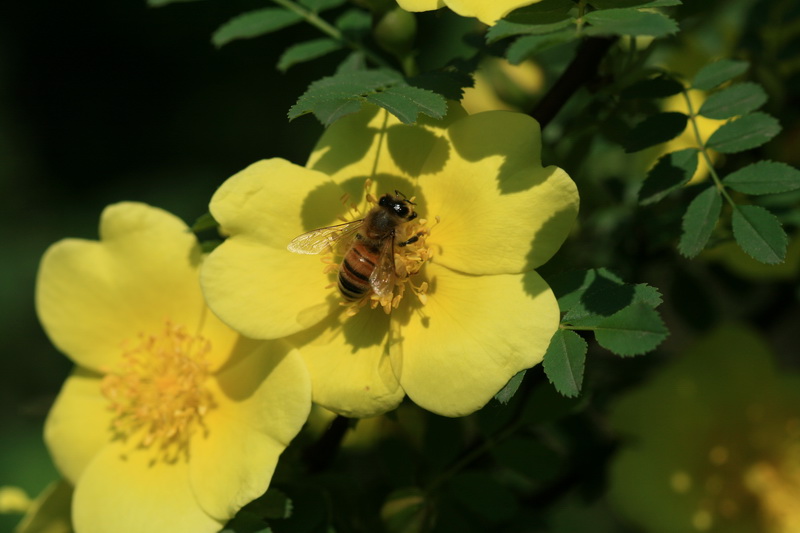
x=503, y=29
x=635, y=330
x=655, y=129
x=629, y=22
x=718, y=72
x=254, y=24
x=407, y=102
x=564, y=361
x=306, y=51
x=672, y=171
x=699, y=221
x=738, y=99
x=744, y=133
x=764, y=177
x=759, y=233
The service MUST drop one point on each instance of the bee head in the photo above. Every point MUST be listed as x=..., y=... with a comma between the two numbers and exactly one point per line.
x=398, y=205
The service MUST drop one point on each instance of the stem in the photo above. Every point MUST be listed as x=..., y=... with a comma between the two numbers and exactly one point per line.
x=580, y=71
x=320, y=455
x=703, y=149
x=332, y=31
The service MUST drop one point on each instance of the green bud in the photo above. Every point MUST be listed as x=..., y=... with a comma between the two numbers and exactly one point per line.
x=395, y=32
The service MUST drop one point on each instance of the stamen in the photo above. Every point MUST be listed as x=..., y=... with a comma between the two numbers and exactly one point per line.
x=159, y=395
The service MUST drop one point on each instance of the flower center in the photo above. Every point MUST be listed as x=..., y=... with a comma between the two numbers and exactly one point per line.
x=158, y=395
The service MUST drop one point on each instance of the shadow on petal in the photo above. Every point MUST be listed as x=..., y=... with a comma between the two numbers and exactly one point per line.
x=322, y=207
x=416, y=150
x=345, y=142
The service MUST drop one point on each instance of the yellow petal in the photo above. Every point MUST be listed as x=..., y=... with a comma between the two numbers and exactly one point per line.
x=350, y=369
x=91, y=296
x=50, y=512
x=499, y=211
x=77, y=426
x=265, y=292
x=123, y=491
x=273, y=201
x=420, y=5
x=487, y=12
x=262, y=403
x=472, y=336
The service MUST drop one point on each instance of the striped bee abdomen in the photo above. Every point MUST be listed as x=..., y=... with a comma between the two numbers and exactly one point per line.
x=355, y=270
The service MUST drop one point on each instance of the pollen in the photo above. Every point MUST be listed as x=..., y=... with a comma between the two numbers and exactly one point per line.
x=158, y=395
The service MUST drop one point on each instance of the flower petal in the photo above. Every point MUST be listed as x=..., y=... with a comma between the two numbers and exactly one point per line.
x=350, y=370
x=262, y=403
x=487, y=12
x=125, y=491
x=77, y=425
x=265, y=292
x=499, y=211
x=273, y=201
x=420, y=5
x=472, y=336
x=91, y=296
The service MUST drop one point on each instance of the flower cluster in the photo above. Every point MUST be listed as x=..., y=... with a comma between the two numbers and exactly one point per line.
x=194, y=372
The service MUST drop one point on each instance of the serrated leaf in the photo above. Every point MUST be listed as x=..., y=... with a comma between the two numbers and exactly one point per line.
x=407, y=102
x=564, y=362
x=306, y=51
x=759, y=233
x=611, y=4
x=699, y=220
x=254, y=24
x=738, y=99
x=658, y=87
x=717, y=73
x=510, y=388
x=764, y=177
x=503, y=29
x=635, y=330
x=544, y=12
x=671, y=172
x=527, y=46
x=655, y=129
x=749, y=131
x=629, y=22
x=318, y=6
x=449, y=84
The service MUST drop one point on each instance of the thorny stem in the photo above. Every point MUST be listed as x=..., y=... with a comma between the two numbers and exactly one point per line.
x=332, y=31
x=703, y=150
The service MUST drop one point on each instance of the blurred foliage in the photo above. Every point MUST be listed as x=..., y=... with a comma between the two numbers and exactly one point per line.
x=109, y=101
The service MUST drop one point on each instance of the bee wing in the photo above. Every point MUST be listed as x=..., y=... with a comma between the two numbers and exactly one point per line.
x=319, y=240
x=382, y=278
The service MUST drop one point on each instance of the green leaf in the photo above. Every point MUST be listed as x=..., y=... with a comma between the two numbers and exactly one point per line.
x=204, y=222
x=658, y=87
x=635, y=330
x=448, y=83
x=247, y=522
x=629, y=22
x=318, y=6
x=759, y=233
x=407, y=102
x=673, y=171
x=527, y=46
x=404, y=510
x=610, y=4
x=503, y=29
x=764, y=177
x=510, y=389
x=699, y=221
x=564, y=361
x=544, y=12
x=738, y=99
x=254, y=24
x=717, y=73
x=744, y=133
x=655, y=129
x=355, y=24
x=302, y=52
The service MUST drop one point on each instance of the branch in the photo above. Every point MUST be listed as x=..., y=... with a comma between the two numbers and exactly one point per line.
x=581, y=71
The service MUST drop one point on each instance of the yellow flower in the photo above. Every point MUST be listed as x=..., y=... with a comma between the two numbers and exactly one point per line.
x=486, y=11
x=714, y=442
x=171, y=421
x=468, y=311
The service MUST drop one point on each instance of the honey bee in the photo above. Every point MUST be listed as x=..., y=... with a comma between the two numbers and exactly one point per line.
x=368, y=263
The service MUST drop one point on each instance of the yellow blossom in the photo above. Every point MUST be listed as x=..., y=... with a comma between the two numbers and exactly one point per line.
x=468, y=311
x=171, y=421
x=713, y=442
x=486, y=11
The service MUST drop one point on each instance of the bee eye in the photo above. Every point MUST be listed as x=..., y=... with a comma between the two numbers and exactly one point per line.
x=401, y=210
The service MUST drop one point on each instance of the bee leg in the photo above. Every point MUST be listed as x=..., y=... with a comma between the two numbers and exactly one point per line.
x=413, y=239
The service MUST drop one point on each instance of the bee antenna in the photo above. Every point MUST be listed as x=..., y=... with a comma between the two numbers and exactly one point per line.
x=405, y=198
